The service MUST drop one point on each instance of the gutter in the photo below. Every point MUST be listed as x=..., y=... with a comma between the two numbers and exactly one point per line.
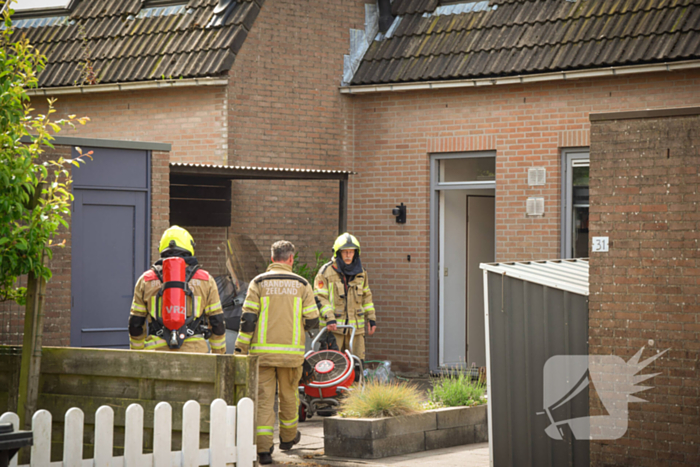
x=104, y=143
x=523, y=79
x=135, y=86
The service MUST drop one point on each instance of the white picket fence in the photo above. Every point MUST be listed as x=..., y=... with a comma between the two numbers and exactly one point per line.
x=231, y=437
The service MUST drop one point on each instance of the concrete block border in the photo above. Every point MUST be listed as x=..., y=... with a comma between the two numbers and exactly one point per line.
x=375, y=438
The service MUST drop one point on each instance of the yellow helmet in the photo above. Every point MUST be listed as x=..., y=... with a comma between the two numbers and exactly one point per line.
x=176, y=238
x=346, y=242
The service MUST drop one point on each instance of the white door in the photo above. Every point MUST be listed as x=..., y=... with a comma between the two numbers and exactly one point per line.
x=467, y=238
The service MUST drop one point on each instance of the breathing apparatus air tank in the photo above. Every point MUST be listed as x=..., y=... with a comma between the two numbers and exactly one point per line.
x=174, y=310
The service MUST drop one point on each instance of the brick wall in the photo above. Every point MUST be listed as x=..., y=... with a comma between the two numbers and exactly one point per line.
x=527, y=125
x=160, y=199
x=191, y=119
x=644, y=196
x=58, y=289
x=286, y=111
x=210, y=248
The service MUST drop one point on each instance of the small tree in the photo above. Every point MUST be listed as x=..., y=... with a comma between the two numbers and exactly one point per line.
x=34, y=194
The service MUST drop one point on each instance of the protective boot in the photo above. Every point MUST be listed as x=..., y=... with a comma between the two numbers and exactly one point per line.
x=265, y=458
x=288, y=445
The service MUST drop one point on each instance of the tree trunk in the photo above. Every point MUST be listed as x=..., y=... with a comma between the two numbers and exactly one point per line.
x=31, y=350
x=31, y=344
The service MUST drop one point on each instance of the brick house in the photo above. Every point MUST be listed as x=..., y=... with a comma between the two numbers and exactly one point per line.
x=176, y=74
x=487, y=120
x=463, y=104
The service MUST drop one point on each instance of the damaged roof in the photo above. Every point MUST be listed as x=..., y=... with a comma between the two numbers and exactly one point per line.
x=129, y=40
x=431, y=42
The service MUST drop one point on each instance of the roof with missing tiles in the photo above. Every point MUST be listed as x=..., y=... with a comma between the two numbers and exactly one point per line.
x=429, y=42
x=127, y=41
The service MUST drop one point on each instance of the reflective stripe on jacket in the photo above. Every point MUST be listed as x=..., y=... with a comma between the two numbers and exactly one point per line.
x=282, y=301
x=329, y=288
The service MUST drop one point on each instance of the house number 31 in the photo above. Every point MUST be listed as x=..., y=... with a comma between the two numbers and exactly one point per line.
x=600, y=244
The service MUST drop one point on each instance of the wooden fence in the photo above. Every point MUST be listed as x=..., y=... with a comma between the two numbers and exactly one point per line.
x=231, y=437
x=89, y=378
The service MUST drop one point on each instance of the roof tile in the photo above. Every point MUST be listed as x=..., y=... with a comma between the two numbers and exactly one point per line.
x=124, y=46
x=530, y=36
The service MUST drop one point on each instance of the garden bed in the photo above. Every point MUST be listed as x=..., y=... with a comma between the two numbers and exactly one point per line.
x=374, y=438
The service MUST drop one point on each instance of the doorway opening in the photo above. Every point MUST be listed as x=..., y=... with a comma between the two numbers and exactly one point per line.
x=462, y=237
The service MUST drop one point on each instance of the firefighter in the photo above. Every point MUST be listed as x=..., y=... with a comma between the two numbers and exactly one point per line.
x=278, y=309
x=146, y=328
x=342, y=289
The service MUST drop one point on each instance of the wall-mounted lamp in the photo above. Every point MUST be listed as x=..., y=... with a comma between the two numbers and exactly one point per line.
x=400, y=213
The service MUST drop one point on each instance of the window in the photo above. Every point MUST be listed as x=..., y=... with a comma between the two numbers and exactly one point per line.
x=575, y=203
x=153, y=9
x=40, y=5
x=467, y=169
x=57, y=10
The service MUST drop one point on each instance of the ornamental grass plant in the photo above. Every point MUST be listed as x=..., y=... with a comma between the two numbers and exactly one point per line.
x=456, y=389
x=376, y=400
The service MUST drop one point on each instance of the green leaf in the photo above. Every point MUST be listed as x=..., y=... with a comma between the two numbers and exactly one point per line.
x=25, y=169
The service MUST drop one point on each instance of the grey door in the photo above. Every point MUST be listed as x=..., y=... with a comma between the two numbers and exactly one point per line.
x=110, y=226
x=481, y=238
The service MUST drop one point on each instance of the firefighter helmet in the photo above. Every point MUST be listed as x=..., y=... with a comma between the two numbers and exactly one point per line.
x=346, y=242
x=176, y=238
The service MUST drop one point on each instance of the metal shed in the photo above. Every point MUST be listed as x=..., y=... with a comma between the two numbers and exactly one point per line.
x=534, y=310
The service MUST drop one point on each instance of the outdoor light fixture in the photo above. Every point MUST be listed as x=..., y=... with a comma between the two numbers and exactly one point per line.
x=400, y=213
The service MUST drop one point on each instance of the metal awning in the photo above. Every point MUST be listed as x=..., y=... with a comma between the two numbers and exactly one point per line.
x=200, y=194
x=565, y=274
x=256, y=173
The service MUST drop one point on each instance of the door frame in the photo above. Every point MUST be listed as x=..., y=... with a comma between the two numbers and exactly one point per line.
x=435, y=261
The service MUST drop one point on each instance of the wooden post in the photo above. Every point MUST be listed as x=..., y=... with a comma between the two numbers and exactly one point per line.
x=343, y=207
x=31, y=349
x=33, y=332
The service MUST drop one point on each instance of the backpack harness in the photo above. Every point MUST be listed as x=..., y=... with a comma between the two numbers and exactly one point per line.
x=192, y=325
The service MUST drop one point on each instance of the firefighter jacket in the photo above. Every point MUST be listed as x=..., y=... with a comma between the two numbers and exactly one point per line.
x=278, y=309
x=343, y=301
x=206, y=301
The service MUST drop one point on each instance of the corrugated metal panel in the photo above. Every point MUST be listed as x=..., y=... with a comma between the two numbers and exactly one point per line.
x=129, y=43
x=565, y=274
x=233, y=168
x=529, y=36
x=529, y=323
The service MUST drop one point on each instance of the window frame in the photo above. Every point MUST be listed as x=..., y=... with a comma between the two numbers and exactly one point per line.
x=568, y=155
x=435, y=188
x=40, y=12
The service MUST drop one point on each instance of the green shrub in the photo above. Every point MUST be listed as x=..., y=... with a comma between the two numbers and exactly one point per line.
x=457, y=389
x=306, y=271
x=376, y=400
